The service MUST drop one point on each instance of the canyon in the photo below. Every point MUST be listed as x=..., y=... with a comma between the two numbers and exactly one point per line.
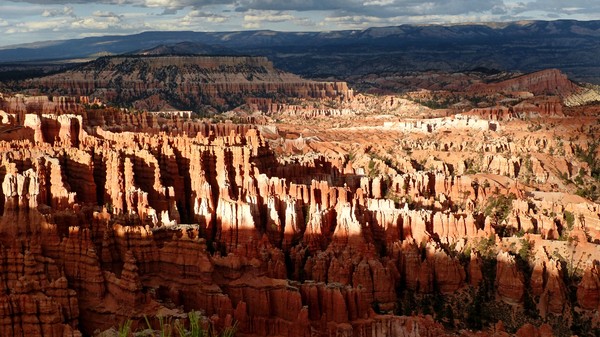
x=311, y=211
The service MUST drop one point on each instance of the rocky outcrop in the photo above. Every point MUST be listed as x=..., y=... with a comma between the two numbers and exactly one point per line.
x=197, y=82
x=543, y=82
x=497, y=113
x=554, y=298
x=588, y=291
x=459, y=121
x=547, y=282
x=20, y=105
x=539, y=107
x=509, y=279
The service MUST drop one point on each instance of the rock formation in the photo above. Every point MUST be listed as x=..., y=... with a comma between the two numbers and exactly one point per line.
x=108, y=215
x=196, y=82
x=543, y=82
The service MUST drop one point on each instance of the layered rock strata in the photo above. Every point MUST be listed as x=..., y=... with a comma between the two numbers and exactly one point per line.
x=105, y=217
x=162, y=82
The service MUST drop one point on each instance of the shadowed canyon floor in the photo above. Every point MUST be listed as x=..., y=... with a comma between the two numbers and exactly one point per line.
x=465, y=212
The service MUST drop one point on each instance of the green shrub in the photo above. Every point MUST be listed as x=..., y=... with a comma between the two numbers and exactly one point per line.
x=487, y=247
x=525, y=250
x=499, y=207
x=570, y=219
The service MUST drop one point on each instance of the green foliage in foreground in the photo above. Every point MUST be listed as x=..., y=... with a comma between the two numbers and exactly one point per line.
x=199, y=326
x=124, y=329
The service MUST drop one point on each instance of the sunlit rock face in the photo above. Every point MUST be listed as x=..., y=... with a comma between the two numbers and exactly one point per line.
x=352, y=224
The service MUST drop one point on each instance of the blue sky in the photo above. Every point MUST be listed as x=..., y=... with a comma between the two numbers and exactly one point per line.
x=40, y=20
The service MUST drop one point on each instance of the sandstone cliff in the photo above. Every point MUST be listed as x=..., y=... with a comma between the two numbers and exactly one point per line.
x=200, y=83
x=543, y=82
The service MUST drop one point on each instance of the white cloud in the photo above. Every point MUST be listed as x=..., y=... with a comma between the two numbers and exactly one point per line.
x=378, y=3
x=95, y=23
x=197, y=15
x=165, y=4
x=362, y=21
x=35, y=26
x=349, y=19
x=268, y=16
x=105, y=14
x=255, y=19
x=65, y=11
x=561, y=7
x=251, y=25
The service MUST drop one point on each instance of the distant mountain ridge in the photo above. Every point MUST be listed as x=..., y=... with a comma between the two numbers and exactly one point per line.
x=569, y=45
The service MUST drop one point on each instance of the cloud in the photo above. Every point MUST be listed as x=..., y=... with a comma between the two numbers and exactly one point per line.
x=560, y=7
x=376, y=8
x=358, y=21
x=383, y=8
x=59, y=19
x=34, y=26
x=378, y=2
x=268, y=16
x=105, y=14
x=197, y=15
x=65, y=11
x=251, y=25
x=365, y=21
x=92, y=23
x=499, y=10
x=295, y=5
x=92, y=2
x=255, y=19
x=165, y=4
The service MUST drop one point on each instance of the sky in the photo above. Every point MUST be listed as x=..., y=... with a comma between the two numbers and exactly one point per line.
x=24, y=21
